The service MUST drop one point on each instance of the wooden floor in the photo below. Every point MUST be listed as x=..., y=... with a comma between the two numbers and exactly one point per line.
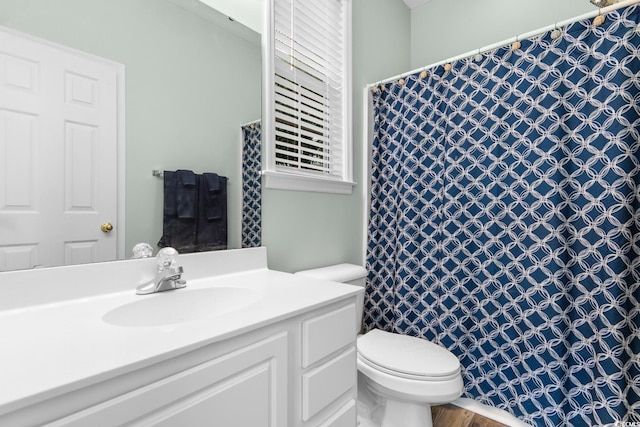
x=453, y=416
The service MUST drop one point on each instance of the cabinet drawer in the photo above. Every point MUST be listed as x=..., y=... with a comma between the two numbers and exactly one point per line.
x=324, y=384
x=345, y=417
x=327, y=333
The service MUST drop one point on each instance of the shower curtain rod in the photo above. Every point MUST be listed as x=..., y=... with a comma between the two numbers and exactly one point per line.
x=557, y=25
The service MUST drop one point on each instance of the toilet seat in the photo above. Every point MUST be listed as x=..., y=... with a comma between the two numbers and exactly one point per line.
x=407, y=357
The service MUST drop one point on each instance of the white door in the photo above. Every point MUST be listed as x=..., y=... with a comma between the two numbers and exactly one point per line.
x=58, y=154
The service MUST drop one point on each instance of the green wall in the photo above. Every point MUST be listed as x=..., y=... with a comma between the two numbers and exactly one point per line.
x=189, y=86
x=441, y=29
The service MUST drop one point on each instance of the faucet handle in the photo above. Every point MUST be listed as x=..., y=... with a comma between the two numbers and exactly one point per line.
x=166, y=258
x=142, y=250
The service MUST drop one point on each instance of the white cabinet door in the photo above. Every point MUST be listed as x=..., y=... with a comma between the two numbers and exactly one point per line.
x=244, y=388
x=58, y=154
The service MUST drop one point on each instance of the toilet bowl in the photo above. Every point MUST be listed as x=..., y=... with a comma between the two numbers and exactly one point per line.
x=407, y=375
x=399, y=376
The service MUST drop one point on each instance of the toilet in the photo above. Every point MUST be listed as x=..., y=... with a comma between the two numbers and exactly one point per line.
x=399, y=376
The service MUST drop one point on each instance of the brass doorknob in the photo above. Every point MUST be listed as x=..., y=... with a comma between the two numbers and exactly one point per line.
x=106, y=227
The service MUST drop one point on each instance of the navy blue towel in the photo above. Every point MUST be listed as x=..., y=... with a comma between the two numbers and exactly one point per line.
x=212, y=213
x=195, y=212
x=186, y=194
x=212, y=196
x=179, y=233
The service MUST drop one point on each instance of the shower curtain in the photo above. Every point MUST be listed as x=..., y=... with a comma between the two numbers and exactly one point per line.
x=505, y=216
x=251, y=185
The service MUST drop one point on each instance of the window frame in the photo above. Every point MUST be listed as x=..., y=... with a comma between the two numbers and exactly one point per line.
x=299, y=180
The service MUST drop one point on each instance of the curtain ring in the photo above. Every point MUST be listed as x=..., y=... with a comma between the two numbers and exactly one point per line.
x=478, y=57
x=516, y=44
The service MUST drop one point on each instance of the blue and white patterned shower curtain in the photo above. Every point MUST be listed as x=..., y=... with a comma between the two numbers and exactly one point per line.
x=505, y=219
x=251, y=185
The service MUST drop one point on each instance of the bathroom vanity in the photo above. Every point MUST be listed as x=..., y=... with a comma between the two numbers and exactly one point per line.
x=241, y=345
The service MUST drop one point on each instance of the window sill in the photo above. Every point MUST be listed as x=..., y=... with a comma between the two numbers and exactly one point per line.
x=287, y=181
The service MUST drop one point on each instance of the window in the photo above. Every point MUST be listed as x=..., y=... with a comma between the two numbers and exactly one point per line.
x=308, y=110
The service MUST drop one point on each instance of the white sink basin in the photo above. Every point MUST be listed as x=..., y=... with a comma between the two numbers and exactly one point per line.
x=181, y=305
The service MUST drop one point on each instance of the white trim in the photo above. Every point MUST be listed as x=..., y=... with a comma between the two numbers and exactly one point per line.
x=367, y=142
x=347, y=122
x=520, y=37
x=296, y=182
x=268, y=78
x=239, y=179
x=299, y=181
x=121, y=167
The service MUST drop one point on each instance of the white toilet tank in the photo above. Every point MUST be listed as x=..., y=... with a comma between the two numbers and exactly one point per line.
x=344, y=273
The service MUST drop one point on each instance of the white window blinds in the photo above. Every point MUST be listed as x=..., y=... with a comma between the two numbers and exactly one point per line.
x=309, y=87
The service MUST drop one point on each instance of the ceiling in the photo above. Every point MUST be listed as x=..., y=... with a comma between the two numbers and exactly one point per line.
x=415, y=3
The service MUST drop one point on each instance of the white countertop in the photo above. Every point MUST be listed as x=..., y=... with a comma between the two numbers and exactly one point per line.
x=62, y=345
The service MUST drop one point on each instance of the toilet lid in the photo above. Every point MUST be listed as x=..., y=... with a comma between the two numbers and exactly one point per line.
x=407, y=355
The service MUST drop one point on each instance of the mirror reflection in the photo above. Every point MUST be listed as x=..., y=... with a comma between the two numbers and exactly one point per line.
x=192, y=80
x=251, y=185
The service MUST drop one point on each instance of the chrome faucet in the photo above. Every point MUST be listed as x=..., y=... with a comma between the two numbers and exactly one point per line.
x=168, y=276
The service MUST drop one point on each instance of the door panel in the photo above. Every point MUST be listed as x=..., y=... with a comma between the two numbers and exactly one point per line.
x=58, y=153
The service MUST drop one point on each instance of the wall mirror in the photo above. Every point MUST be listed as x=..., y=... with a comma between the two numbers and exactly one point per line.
x=192, y=81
